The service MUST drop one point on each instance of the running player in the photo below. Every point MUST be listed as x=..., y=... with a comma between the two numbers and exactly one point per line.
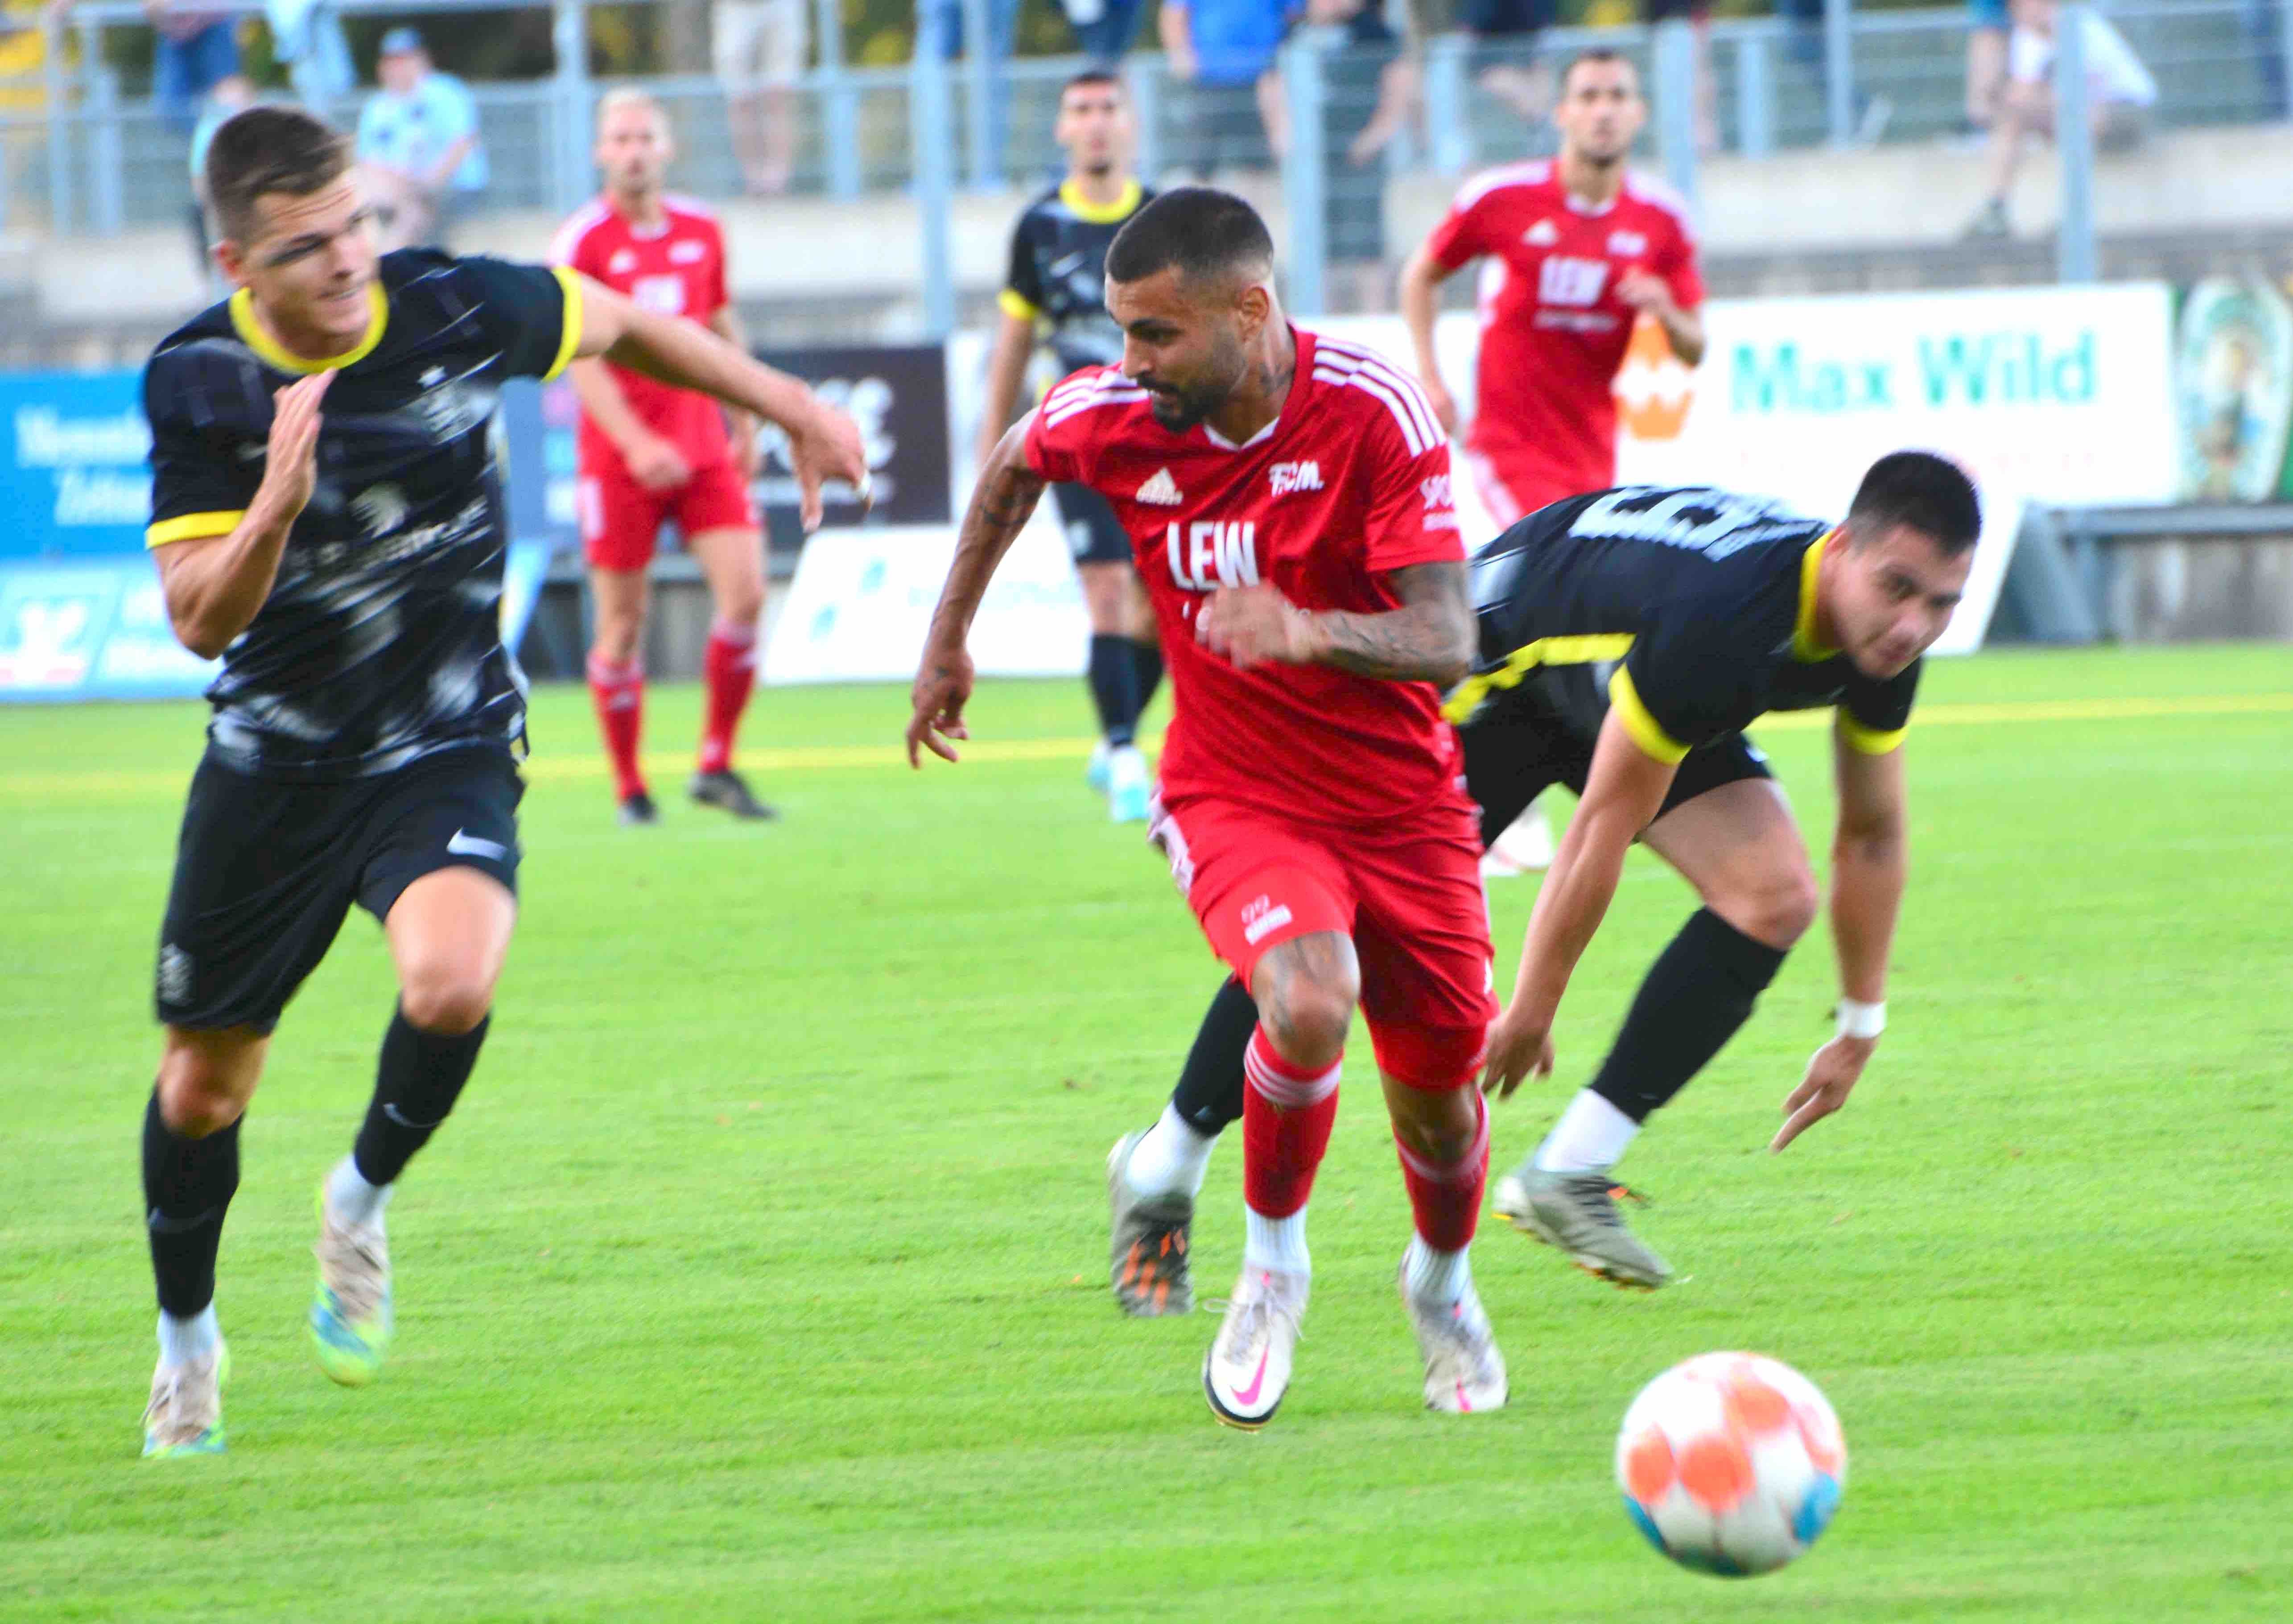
x=1058, y=284
x=1626, y=640
x=1289, y=502
x=326, y=516
x=651, y=451
x=1574, y=251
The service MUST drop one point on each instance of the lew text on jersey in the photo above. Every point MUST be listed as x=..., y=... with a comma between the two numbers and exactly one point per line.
x=1214, y=553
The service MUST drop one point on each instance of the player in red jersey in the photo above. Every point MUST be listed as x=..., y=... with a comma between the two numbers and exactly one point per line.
x=1573, y=252
x=650, y=451
x=1288, y=504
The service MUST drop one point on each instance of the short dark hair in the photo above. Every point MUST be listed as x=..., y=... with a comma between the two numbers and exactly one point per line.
x=1202, y=230
x=1603, y=54
x=1090, y=77
x=1931, y=494
x=268, y=149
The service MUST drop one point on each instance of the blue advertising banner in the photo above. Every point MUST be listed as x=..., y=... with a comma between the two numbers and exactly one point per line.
x=75, y=481
x=96, y=630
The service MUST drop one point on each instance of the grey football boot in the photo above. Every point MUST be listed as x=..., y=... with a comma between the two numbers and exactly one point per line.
x=1146, y=1243
x=1577, y=1213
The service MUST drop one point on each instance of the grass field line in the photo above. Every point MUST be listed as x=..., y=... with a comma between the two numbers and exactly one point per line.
x=857, y=758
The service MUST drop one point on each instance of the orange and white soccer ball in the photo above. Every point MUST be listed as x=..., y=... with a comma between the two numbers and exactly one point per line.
x=1731, y=1462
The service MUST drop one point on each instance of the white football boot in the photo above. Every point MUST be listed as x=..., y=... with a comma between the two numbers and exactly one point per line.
x=1247, y=1370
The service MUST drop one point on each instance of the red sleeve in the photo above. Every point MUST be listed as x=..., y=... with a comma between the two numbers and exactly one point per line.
x=1461, y=235
x=571, y=247
x=719, y=294
x=1412, y=517
x=1678, y=266
x=1065, y=435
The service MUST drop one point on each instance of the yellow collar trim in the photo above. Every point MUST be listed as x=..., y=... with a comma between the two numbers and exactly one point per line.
x=1806, y=647
x=1100, y=214
x=256, y=338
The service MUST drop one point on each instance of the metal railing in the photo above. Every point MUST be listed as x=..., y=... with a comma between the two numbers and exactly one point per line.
x=94, y=159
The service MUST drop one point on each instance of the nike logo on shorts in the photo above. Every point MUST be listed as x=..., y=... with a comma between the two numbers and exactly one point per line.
x=465, y=845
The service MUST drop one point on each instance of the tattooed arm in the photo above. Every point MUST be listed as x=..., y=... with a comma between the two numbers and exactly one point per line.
x=1001, y=502
x=1429, y=639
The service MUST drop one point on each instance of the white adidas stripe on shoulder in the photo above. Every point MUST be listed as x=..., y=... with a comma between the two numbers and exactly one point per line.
x=1535, y=171
x=1639, y=183
x=1078, y=395
x=578, y=225
x=1365, y=370
x=684, y=204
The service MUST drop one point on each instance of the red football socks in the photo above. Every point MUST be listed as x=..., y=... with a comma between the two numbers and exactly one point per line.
x=617, y=689
x=1446, y=1198
x=1286, y=1116
x=729, y=667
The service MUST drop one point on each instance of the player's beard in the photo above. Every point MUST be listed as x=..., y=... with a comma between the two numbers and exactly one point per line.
x=1178, y=407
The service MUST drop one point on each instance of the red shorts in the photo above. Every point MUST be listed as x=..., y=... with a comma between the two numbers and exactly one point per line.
x=621, y=519
x=1512, y=487
x=1410, y=898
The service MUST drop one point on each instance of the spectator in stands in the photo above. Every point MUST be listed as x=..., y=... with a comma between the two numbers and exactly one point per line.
x=1369, y=84
x=1502, y=52
x=1104, y=28
x=307, y=40
x=1986, y=61
x=2265, y=27
x=229, y=95
x=941, y=22
x=2119, y=94
x=196, y=51
x=417, y=141
x=760, y=47
x=1225, y=50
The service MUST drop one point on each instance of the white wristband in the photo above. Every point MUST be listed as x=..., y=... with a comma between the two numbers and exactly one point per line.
x=1864, y=1021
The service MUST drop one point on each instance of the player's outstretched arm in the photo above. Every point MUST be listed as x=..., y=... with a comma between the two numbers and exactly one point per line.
x=1429, y=639
x=1869, y=863
x=216, y=586
x=1623, y=793
x=1005, y=496
x=823, y=443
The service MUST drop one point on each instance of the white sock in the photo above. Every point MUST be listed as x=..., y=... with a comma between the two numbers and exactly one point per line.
x=351, y=1200
x=1171, y=1159
x=186, y=1339
x=1436, y=1277
x=1277, y=1243
x=1591, y=1134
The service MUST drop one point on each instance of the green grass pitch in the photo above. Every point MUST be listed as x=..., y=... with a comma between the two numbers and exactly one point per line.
x=761, y=1273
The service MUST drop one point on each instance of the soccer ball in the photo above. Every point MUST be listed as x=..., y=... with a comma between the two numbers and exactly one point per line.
x=1730, y=1463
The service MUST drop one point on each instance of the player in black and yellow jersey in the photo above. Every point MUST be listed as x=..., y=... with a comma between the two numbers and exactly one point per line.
x=1054, y=292
x=326, y=517
x=1627, y=639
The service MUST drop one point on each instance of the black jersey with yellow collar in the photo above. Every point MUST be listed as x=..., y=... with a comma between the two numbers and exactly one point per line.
x=1704, y=602
x=1057, y=275
x=380, y=643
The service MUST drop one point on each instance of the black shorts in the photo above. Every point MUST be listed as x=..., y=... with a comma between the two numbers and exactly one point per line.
x=1524, y=740
x=266, y=869
x=1095, y=536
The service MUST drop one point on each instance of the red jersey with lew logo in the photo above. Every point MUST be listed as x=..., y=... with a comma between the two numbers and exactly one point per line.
x=1350, y=482
x=1553, y=331
x=673, y=268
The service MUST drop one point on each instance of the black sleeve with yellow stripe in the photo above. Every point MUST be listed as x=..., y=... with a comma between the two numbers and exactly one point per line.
x=1682, y=685
x=210, y=414
x=1874, y=716
x=1023, y=287
x=532, y=313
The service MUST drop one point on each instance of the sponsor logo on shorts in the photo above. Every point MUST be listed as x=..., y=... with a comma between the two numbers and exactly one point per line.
x=175, y=982
x=1289, y=477
x=1261, y=916
x=465, y=845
